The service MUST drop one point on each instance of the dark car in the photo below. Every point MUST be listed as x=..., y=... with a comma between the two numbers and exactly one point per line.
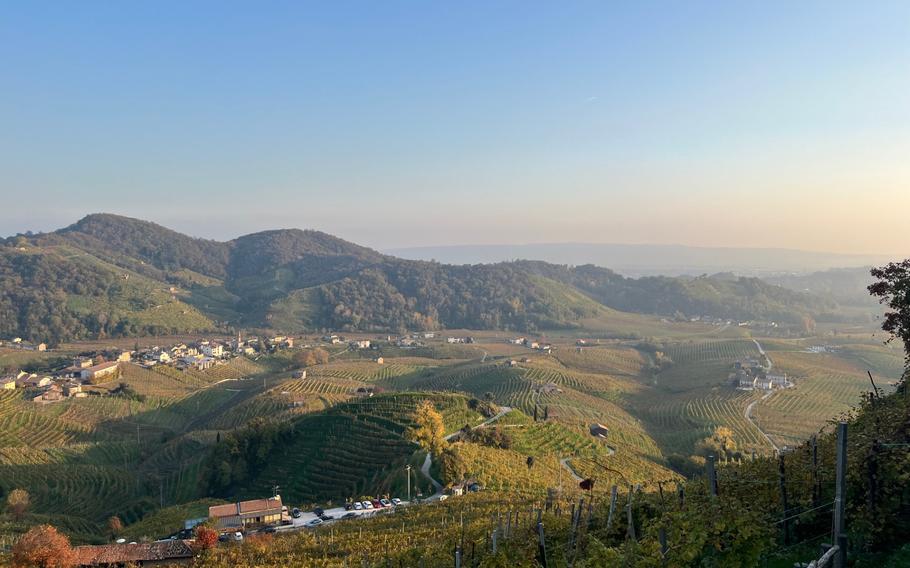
x=270, y=530
x=325, y=517
x=348, y=506
x=350, y=515
x=318, y=512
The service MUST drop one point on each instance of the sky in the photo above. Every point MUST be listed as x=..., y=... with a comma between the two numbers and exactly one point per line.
x=763, y=124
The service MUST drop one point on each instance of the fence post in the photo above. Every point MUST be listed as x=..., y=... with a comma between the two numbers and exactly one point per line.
x=840, y=495
x=783, y=498
x=494, y=539
x=664, y=549
x=712, y=475
x=816, y=494
x=612, y=507
x=682, y=497
x=542, y=542
x=631, y=521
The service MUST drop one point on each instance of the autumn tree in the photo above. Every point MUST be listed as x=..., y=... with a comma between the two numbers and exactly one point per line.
x=115, y=525
x=309, y=357
x=206, y=537
x=17, y=503
x=452, y=466
x=428, y=430
x=720, y=444
x=42, y=547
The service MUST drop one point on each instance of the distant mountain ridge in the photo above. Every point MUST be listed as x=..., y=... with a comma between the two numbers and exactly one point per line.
x=644, y=259
x=113, y=275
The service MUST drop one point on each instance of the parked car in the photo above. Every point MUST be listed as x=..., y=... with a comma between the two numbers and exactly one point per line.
x=385, y=502
x=348, y=506
x=295, y=512
x=367, y=505
x=358, y=506
x=443, y=497
x=318, y=512
x=396, y=501
x=376, y=504
x=270, y=530
x=237, y=537
x=325, y=517
x=314, y=523
x=350, y=515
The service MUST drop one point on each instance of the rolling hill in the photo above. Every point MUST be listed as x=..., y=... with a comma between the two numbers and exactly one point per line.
x=108, y=275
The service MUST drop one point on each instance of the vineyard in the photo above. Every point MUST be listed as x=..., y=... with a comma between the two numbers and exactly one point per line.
x=128, y=455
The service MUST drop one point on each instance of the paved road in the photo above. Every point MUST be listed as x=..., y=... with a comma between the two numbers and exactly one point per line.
x=564, y=462
x=748, y=412
x=428, y=461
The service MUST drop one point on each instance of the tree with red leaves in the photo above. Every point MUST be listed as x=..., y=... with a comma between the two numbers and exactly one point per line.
x=43, y=547
x=206, y=537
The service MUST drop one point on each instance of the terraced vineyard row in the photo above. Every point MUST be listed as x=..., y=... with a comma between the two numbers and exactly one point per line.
x=609, y=360
x=333, y=457
x=825, y=386
x=696, y=352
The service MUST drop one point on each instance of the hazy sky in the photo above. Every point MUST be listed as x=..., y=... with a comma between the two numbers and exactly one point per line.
x=783, y=124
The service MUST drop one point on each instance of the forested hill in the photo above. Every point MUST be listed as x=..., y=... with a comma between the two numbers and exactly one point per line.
x=112, y=275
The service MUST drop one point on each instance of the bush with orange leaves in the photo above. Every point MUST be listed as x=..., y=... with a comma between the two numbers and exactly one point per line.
x=206, y=537
x=43, y=547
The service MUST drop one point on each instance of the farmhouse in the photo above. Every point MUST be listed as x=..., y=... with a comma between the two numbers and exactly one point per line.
x=8, y=382
x=145, y=554
x=35, y=381
x=99, y=372
x=360, y=344
x=53, y=393
x=247, y=513
x=198, y=362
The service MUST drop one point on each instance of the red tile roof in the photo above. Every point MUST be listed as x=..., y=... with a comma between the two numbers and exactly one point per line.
x=122, y=553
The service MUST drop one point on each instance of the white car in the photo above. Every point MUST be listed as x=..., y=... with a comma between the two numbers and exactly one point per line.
x=396, y=501
x=358, y=506
x=367, y=505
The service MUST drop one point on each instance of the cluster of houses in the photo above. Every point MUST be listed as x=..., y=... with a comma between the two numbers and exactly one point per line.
x=531, y=344
x=19, y=343
x=454, y=340
x=66, y=383
x=105, y=366
x=205, y=354
x=753, y=374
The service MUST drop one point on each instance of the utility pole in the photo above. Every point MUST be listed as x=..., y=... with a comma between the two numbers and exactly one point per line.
x=408, y=468
x=840, y=494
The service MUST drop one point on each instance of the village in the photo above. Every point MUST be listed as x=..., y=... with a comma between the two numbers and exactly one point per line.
x=104, y=366
x=753, y=373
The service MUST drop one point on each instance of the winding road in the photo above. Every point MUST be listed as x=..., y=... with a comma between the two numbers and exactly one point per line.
x=428, y=461
x=747, y=414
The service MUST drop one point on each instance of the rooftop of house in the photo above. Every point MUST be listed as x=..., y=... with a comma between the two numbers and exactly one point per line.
x=245, y=507
x=130, y=553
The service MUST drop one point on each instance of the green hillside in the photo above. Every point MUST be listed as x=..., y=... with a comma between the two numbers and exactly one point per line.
x=109, y=275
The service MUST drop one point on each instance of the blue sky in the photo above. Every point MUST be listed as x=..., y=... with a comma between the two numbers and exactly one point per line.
x=407, y=123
